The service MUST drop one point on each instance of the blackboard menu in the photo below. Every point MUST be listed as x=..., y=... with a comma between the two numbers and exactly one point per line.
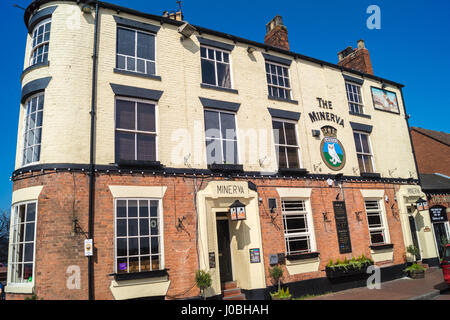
x=212, y=260
x=343, y=232
x=438, y=214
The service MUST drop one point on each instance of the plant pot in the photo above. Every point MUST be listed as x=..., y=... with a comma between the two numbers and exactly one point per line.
x=274, y=298
x=340, y=272
x=417, y=274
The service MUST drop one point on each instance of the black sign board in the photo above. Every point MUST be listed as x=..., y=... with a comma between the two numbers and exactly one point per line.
x=343, y=232
x=438, y=214
x=212, y=260
x=255, y=256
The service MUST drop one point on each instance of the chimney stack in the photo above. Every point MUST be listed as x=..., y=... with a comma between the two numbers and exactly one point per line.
x=357, y=59
x=178, y=16
x=277, y=34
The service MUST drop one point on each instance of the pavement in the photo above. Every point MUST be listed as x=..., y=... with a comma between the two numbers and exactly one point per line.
x=432, y=287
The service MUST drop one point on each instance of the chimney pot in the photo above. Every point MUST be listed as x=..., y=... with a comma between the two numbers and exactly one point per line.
x=361, y=44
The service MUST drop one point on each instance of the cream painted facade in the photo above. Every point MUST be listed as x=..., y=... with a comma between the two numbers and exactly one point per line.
x=180, y=124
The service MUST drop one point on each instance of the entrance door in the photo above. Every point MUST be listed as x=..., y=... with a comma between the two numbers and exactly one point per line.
x=223, y=243
x=441, y=236
x=412, y=227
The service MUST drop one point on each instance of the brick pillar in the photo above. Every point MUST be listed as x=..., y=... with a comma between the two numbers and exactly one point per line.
x=277, y=34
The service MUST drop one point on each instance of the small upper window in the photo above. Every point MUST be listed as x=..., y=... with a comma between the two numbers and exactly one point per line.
x=40, y=43
x=363, y=152
x=286, y=145
x=278, y=81
x=136, y=51
x=216, y=69
x=354, y=97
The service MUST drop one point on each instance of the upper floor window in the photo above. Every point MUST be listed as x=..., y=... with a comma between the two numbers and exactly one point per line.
x=221, y=137
x=278, y=81
x=286, y=145
x=22, y=240
x=354, y=97
x=40, y=42
x=32, y=133
x=376, y=221
x=136, y=51
x=138, y=235
x=216, y=70
x=363, y=152
x=135, y=130
x=298, y=230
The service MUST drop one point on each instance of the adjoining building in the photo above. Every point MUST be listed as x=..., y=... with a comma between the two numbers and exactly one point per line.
x=149, y=148
x=434, y=168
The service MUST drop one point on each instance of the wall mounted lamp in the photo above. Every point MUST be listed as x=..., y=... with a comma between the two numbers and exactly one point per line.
x=251, y=50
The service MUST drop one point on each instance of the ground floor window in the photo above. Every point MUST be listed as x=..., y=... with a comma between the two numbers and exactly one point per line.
x=376, y=222
x=297, y=230
x=138, y=235
x=23, y=227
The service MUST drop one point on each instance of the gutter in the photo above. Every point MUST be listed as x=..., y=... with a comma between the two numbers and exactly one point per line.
x=92, y=154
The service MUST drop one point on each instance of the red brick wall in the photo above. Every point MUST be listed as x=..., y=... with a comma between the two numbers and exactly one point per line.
x=358, y=60
x=65, y=196
x=278, y=37
x=431, y=155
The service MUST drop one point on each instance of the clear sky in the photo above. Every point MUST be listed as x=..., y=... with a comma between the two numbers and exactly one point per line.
x=412, y=47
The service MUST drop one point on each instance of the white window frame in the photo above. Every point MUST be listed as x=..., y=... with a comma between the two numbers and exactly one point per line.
x=295, y=123
x=288, y=89
x=136, y=101
x=384, y=228
x=161, y=233
x=372, y=160
x=222, y=139
x=310, y=233
x=25, y=287
x=215, y=65
x=360, y=105
x=25, y=129
x=135, y=57
x=34, y=48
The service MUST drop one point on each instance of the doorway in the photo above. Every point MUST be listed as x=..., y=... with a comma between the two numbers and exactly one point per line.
x=412, y=227
x=223, y=244
x=441, y=235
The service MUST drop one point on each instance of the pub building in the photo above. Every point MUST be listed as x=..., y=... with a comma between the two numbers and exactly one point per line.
x=150, y=148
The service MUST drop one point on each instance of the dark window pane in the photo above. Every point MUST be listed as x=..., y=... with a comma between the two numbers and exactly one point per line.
x=298, y=244
x=29, y=247
x=281, y=151
x=146, y=46
x=144, y=246
x=125, y=115
x=131, y=64
x=295, y=224
x=132, y=227
x=29, y=232
x=211, y=54
x=144, y=228
x=292, y=154
x=291, y=137
x=357, y=142
x=368, y=163
x=146, y=117
x=374, y=221
x=228, y=125
x=223, y=75
x=31, y=212
x=121, y=208
x=146, y=147
x=143, y=208
x=151, y=69
x=377, y=237
x=145, y=264
x=120, y=62
x=203, y=52
x=154, y=227
x=121, y=228
x=155, y=263
x=226, y=57
x=278, y=132
x=365, y=143
x=126, y=42
x=214, y=151
x=360, y=163
x=208, y=72
x=133, y=248
x=155, y=245
x=140, y=66
x=121, y=247
x=154, y=208
x=122, y=265
x=132, y=208
x=125, y=146
x=28, y=272
x=212, y=124
x=230, y=152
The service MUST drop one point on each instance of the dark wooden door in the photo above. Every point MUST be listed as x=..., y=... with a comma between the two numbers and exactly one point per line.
x=223, y=242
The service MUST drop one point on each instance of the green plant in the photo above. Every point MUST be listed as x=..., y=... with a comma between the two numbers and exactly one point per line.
x=415, y=268
x=281, y=294
x=355, y=263
x=203, y=281
x=276, y=273
x=413, y=250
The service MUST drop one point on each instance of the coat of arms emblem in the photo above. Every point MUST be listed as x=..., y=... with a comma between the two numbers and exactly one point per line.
x=332, y=150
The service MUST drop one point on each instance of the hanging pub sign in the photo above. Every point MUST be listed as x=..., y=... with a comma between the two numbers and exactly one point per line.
x=332, y=150
x=237, y=210
x=438, y=214
x=384, y=100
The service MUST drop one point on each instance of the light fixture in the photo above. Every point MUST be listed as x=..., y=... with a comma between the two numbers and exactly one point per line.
x=250, y=50
x=237, y=210
x=186, y=30
x=86, y=8
x=420, y=204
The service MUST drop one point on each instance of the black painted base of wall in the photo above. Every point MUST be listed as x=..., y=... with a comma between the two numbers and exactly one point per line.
x=324, y=285
x=432, y=262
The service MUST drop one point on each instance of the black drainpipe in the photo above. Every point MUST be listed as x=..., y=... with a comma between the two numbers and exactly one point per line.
x=92, y=156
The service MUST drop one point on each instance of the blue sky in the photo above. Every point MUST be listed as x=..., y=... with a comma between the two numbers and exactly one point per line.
x=411, y=47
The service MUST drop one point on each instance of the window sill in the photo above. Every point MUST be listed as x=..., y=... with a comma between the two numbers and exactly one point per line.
x=283, y=100
x=140, y=275
x=35, y=66
x=371, y=175
x=209, y=86
x=20, y=289
x=360, y=115
x=303, y=256
x=226, y=167
x=139, y=164
x=293, y=171
x=137, y=74
x=378, y=247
